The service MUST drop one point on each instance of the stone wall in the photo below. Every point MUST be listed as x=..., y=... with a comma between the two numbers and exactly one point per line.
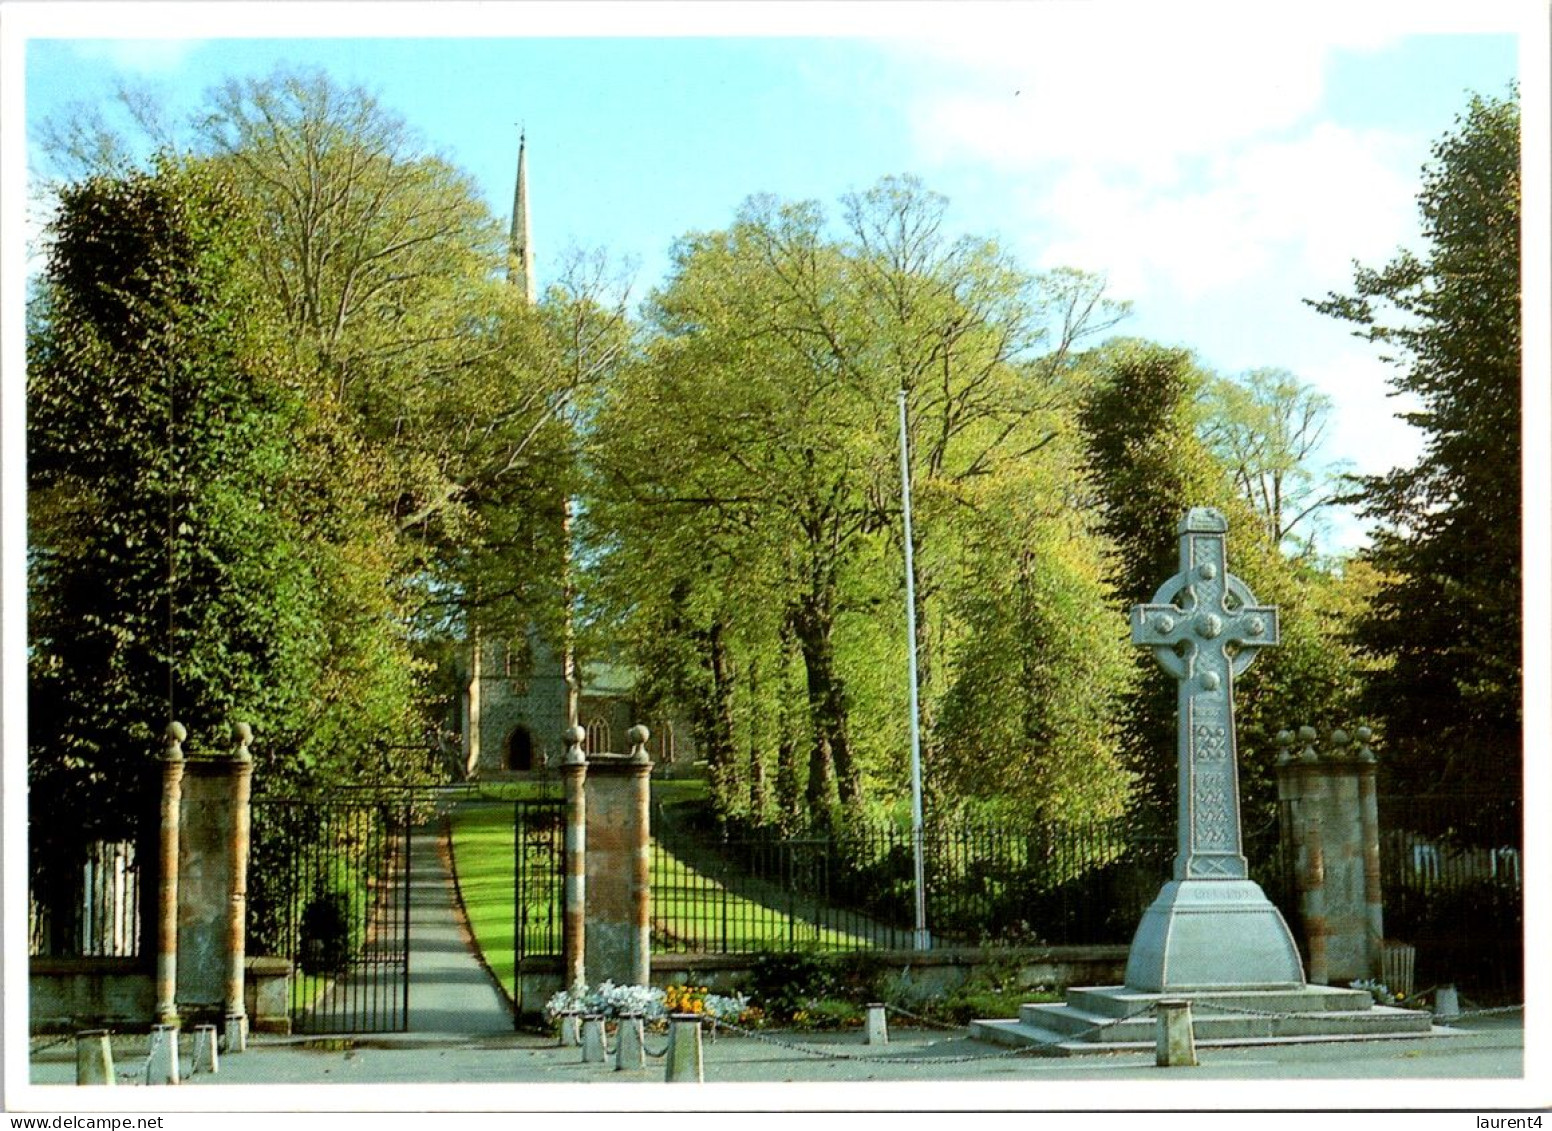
x=66, y=994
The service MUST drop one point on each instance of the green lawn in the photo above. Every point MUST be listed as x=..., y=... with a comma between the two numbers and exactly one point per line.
x=689, y=907
x=482, y=856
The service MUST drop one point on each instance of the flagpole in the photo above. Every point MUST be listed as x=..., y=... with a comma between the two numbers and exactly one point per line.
x=923, y=940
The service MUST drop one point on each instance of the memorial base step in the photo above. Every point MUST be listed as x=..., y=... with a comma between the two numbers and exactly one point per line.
x=1117, y=1019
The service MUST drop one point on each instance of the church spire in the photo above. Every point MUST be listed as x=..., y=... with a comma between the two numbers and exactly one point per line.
x=520, y=251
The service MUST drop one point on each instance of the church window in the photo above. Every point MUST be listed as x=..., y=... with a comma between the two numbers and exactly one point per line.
x=599, y=738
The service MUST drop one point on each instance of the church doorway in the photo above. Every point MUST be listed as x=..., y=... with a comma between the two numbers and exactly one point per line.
x=520, y=749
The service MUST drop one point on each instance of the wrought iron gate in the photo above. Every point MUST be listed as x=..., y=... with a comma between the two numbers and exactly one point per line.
x=329, y=889
x=539, y=865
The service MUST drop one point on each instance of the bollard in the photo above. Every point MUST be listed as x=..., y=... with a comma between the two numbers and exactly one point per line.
x=206, y=1058
x=876, y=1031
x=93, y=1057
x=1176, y=1041
x=570, y=1030
x=685, y=1065
x=593, y=1051
x=630, y=1049
x=162, y=1059
x=1446, y=1006
x=236, y=1032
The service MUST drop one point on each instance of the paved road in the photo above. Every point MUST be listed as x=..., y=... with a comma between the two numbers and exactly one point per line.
x=1489, y=1049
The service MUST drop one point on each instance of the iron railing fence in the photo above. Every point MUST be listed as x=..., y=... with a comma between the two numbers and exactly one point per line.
x=538, y=870
x=738, y=887
x=329, y=889
x=750, y=895
x=1456, y=893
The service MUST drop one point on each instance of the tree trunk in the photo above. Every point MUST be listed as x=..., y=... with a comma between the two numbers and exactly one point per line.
x=831, y=746
x=756, y=762
x=716, y=711
x=788, y=787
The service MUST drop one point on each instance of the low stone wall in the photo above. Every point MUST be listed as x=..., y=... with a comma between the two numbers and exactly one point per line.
x=99, y=993
x=89, y=993
x=932, y=972
x=267, y=993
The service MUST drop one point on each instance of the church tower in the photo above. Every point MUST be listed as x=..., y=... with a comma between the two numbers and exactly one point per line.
x=520, y=271
x=520, y=274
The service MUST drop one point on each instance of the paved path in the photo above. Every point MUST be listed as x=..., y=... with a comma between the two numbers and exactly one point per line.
x=450, y=990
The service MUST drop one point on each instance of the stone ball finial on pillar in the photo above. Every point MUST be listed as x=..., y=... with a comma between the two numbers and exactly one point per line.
x=242, y=739
x=1365, y=752
x=1307, y=735
x=173, y=739
x=1339, y=743
x=1284, y=746
x=574, y=736
x=637, y=737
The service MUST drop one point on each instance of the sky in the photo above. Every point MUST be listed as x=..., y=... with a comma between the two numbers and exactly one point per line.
x=1216, y=169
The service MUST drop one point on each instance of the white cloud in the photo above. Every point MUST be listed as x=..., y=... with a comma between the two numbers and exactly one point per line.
x=1116, y=86
x=1365, y=428
x=1299, y=209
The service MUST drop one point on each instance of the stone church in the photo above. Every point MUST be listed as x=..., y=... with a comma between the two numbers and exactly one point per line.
x=515, y=701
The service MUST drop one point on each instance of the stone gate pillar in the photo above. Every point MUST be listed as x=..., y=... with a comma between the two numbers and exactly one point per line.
x=619, y=893
x=573, y=768
x=167, y=892
x=237, y=913
x=212, y=870
x=1331, y=819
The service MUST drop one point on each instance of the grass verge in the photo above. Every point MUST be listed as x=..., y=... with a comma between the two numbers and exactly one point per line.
x=691, y=910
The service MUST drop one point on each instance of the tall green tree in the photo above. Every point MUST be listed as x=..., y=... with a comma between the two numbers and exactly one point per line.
x=387, y=268
x=754, y=455
x=1147, y=466
x=194, y=548
x=1266, y=427
x=1444, y=628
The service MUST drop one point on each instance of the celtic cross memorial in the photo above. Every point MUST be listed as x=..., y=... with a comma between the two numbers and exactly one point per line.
x=1211, y=927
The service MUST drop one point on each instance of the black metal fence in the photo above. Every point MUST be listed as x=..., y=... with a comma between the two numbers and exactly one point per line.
x=1457, y=896
x=740, y=888
x=329, y=889
x=538, y=904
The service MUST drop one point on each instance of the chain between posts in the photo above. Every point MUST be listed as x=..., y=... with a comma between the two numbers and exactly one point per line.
x=1359, y=1015
x=1033, y=1048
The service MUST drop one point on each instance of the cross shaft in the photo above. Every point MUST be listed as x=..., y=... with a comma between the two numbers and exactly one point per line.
x=1204, y=627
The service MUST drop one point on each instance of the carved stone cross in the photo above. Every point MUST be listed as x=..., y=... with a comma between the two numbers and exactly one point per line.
x=1211, y=927
x=1204, y=628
